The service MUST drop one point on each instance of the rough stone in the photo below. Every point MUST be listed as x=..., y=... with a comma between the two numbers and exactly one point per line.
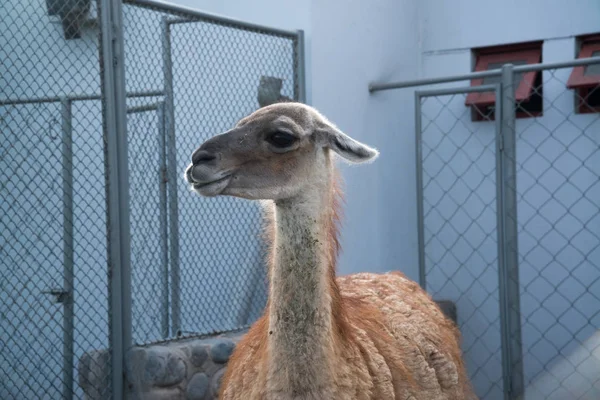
x=136, y=357
x=163, y=367
x=215, y=383
x=197, y=387
x=221, y=350
x=199, y=355
x=94, y=372
x=183, y=368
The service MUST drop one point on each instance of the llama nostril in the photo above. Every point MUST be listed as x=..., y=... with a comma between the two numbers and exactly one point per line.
x=202, y=156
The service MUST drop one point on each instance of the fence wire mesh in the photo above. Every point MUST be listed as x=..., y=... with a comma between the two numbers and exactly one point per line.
x=52, y=224
x=197, y=264
x=213, y=74
x=459, y=211
x=558, y=226
x=558, y=189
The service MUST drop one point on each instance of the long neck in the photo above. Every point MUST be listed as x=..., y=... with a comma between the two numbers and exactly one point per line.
x=302, y=289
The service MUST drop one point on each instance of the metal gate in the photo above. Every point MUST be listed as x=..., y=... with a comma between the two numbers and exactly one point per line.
x=460, y=209
x=101, y=244
x=508, y=226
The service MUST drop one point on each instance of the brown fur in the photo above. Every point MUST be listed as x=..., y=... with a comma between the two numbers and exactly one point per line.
x=391, y=341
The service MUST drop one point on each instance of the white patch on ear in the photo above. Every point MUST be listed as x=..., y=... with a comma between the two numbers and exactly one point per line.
x=349, y=149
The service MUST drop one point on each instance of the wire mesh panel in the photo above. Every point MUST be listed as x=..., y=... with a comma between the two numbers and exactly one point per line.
x=558, y=188
x=148, y=228
x=212, y=73
x=458, y=168
x=32, y=250
x=197, y=265
x=53, y=291
x=557, y=227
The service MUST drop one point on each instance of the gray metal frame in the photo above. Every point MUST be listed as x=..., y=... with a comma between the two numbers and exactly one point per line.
x=508, y=254
x=197, y=15
x=117, y=183
x=169, y=218
x=300, y=64
x=378, y=87
x=420, y=94
x=64, y=295
x=171, y=175
x=508, y=271
x=68, y=273
x=168, y=113
x=506, y=199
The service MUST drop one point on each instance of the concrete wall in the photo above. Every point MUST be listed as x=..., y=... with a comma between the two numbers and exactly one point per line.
x=464, y=24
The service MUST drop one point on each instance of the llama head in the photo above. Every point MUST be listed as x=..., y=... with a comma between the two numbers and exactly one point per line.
x=277, y=152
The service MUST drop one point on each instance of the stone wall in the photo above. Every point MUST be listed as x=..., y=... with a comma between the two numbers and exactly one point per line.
x=180, y=369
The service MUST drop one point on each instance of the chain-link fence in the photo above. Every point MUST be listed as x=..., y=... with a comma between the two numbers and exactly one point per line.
x=213, y=73
x=527, y=173
x=459, y=228
x=196, y=265
x=558, y=194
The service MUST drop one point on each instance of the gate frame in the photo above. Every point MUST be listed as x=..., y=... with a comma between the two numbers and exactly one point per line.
x=185, y=15
x=506, y=202
x=506, y=225
x=114, y=30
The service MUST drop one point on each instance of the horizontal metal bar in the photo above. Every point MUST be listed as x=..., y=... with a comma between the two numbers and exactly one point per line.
x=150, y=93
x=457, y=90
x=557, y=65
x=180, y=21
x=209, y=17
x=74, y=97
x=376, y=87
x=142, y=108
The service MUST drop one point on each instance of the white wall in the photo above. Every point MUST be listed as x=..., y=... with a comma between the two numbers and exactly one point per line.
x=351, y=49
x=463, y=24
x=451, y=29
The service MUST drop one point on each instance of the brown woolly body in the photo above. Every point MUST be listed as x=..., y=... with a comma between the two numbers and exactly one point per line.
x=387, y=340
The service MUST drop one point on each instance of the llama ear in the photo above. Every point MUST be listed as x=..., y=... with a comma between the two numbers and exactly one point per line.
x=348, y=148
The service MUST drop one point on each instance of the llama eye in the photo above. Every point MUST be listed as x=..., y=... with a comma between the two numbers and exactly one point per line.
x=281, y=139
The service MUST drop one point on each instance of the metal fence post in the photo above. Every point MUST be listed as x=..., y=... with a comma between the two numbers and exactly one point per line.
x=163, y=219
x=67, y=178
x=117, y=187
x=172, y=176
x=300, y=67
x=508, y=268
x=420, y=215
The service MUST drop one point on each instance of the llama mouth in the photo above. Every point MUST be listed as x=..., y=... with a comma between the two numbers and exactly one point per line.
x=204, y=184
